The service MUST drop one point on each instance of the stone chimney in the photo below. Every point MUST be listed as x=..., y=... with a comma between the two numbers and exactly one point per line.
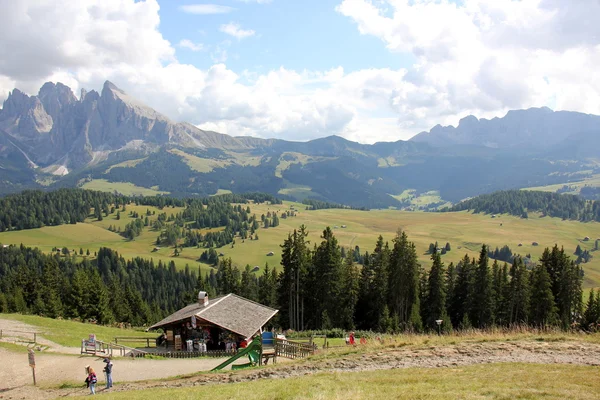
x=203, y=298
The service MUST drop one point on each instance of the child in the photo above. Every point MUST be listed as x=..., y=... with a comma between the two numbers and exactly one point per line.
x=91, y=379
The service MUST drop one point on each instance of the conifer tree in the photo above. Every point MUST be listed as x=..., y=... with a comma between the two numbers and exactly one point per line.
x=51, y=290
x=348, y=295
x=364, y=316
x=404, y=275
x=519, y=292
x=483, y=301
x=325, y=280
x=591, y=316
x=435, y=304
x=542, y=307
x=461, y=297
x=380, y=260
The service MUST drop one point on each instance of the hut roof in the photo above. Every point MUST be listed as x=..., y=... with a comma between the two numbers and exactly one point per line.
x=231, y=312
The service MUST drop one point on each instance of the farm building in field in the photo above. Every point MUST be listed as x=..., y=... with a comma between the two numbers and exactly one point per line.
x=219, y=324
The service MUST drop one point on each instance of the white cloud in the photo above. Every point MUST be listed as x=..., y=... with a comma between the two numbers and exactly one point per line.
x=188, y=44
x=236, y=30
x=486, y=56
x=256, y=1
x=206, y=9
x=481, y=57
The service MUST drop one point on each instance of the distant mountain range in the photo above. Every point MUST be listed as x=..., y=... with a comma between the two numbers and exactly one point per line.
x=55, y=139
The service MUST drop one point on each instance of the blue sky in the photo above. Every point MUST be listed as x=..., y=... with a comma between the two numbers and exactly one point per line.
x=298, y=35
x=367, y=70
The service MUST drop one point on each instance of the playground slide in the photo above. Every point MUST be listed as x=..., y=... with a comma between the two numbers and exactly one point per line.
x=252, y=351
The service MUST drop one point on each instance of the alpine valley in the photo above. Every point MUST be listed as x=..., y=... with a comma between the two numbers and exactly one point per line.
x=55, y=140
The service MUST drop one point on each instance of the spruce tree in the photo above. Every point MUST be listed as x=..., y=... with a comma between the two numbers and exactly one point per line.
x=519, y=292
x=461, y=297
x=364, y=316
x=403, y=282
x=380, y=261
x=348, y=295
x=542, y=308
x=325, y=284
x=435, y=305
x=483, y=301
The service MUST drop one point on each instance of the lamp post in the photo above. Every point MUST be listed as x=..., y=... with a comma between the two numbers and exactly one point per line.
x=439, y=324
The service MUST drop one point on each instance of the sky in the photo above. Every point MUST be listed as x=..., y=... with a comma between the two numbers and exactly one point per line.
x=367, y=70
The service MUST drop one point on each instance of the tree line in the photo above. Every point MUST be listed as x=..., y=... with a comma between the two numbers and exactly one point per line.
x=106, y=290
x=32, y=209
x=521, y=202
x=317, y=288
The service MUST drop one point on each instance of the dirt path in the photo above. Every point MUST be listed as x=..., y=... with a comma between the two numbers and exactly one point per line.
x=435, y=357
x=53, y=369
x=21, y=333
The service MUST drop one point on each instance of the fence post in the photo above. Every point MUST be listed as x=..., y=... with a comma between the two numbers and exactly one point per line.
x=34, y=337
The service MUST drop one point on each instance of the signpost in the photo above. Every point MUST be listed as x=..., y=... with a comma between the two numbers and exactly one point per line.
x=32, y=363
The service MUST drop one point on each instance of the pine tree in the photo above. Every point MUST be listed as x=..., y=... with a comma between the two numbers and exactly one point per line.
x=435, y=305
x=380, y=262
x=483, y=301
x=51, y=290
x=249, y=287
x=461, y=297
x=292, y=293
x=404, y=274
x=542, y=309
x=519, y=292
x=364, y=316
x=325, y=280
x=267, y=290
x=589, y=317
x=348, y=295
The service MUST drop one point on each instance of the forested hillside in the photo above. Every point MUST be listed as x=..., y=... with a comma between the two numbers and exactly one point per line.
x=317, y=288
x=34, y=209
x=109, y=289
x=520, y=202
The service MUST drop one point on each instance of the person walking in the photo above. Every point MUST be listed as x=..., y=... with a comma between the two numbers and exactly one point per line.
x=108, y=370
x=91, y=379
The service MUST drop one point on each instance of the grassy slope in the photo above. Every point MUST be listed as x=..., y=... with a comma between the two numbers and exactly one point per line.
x=592, y=180
x=127, y=189
x=496, y=381
x=70, y=333
x=465, y=232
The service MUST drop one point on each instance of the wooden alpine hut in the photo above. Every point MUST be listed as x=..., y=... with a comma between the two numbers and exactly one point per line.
x=219, y=324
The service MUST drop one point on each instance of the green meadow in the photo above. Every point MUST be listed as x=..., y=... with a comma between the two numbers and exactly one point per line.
x=125, y=188
x=492, y=381
x=464, y=231
x=69, y=333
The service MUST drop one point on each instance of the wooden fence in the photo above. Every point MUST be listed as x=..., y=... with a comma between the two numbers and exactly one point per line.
x=193, y=354
x=290, y=349
x=98, y=347
x=19, y=334
x=150, y=341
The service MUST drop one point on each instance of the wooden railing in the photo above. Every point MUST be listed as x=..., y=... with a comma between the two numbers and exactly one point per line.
x=290, y=349
x=150, y=341
x=194, y=354
x=99, y=347
x=7, y=332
